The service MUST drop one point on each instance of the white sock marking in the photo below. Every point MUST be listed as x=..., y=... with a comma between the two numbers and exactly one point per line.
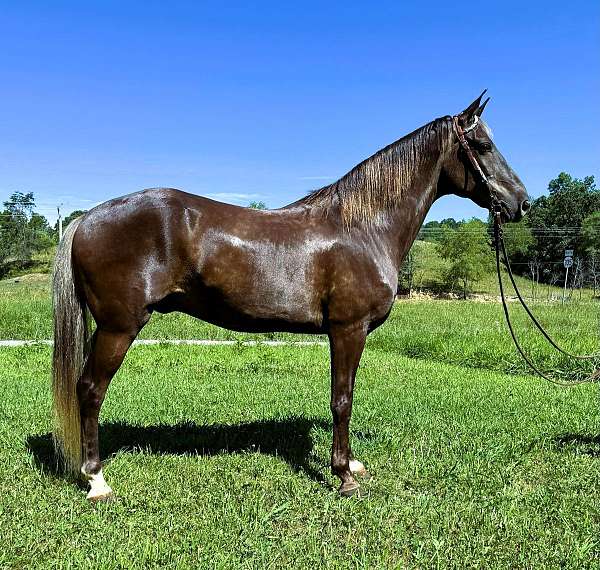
x=98, y=486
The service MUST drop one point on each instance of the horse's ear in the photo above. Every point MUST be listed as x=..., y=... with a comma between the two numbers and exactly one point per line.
x=466, y=116
x=481, y=107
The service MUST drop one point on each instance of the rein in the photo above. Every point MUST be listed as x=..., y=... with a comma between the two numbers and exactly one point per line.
x=496, y=211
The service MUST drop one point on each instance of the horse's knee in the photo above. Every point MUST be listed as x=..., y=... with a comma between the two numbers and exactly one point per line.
x=340, y=408
x=339, y=464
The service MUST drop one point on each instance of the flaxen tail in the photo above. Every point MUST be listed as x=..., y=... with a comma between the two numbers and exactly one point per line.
x=70, y=352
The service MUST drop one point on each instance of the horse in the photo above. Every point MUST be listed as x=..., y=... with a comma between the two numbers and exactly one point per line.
x=325, y=264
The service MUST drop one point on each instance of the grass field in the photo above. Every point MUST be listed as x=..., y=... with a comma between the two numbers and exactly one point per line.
x=219, y=455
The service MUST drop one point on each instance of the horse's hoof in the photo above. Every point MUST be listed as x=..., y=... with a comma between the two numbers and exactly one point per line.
x=104, y=497
x=349, y=489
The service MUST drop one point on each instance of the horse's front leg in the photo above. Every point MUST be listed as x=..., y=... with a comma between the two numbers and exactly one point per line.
x=346, y=344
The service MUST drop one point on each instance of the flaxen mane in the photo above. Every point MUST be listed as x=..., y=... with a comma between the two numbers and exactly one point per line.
x=379, y=182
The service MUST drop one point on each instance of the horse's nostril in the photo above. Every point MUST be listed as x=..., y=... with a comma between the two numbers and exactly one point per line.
x=525, y=205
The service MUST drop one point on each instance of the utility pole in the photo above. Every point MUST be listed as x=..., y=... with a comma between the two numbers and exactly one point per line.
x=565, y=287
x=568, y=262
x=59, y=224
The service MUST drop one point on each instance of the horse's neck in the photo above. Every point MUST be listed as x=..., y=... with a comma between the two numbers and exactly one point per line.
x=403, y=222
x=394, y=221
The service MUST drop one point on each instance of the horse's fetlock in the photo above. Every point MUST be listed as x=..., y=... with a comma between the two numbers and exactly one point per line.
x=339, y=465
x=91, y=468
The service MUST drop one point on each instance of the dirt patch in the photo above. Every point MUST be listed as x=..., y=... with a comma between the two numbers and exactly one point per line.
x=446, y=296
x=28, y=278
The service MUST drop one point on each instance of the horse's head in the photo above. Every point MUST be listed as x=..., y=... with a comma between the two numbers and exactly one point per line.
x=477, y=150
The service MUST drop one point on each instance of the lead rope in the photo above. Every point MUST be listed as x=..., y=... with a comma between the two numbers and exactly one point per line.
x=496, y=209
x=532, y=316
x=499, y=244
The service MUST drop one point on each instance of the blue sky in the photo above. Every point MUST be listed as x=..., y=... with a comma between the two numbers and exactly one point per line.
x=266, y=101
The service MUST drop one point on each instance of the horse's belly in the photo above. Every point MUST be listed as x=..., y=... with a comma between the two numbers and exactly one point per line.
x=243, y=322
x=254, y=314
x=250, y=307
x=256, y=288
x=273, y=302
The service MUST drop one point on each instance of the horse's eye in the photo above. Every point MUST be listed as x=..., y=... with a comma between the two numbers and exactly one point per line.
x=483, y=147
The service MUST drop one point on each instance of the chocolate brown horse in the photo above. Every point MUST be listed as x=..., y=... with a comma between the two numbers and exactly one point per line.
x=327, y=263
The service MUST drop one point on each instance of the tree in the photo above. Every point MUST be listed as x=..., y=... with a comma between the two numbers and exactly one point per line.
x=257, y=205
x=518, y=239
x=22, y=231
x=413, y=264
x=578, y=275
x=41, y=232
x=558, y=216
x=406, y=274
x=594, y=270
x=572, y=199
x=433, y=231
x=553, y=276
x=534, y=272
x=467, y=249
x=451, y=223
x=590, y=232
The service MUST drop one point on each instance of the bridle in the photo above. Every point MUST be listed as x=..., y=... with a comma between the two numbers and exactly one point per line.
x=460, y=133
x=496, y=212
x=495, y=205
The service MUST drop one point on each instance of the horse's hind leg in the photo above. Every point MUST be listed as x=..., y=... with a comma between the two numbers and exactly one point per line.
x=107, y=354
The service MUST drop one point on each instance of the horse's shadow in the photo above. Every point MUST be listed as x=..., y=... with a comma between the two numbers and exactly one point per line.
x=289, y=439
x=579, y=443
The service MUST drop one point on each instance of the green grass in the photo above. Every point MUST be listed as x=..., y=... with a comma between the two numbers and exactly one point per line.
x=219, y=458
x=40, y=263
